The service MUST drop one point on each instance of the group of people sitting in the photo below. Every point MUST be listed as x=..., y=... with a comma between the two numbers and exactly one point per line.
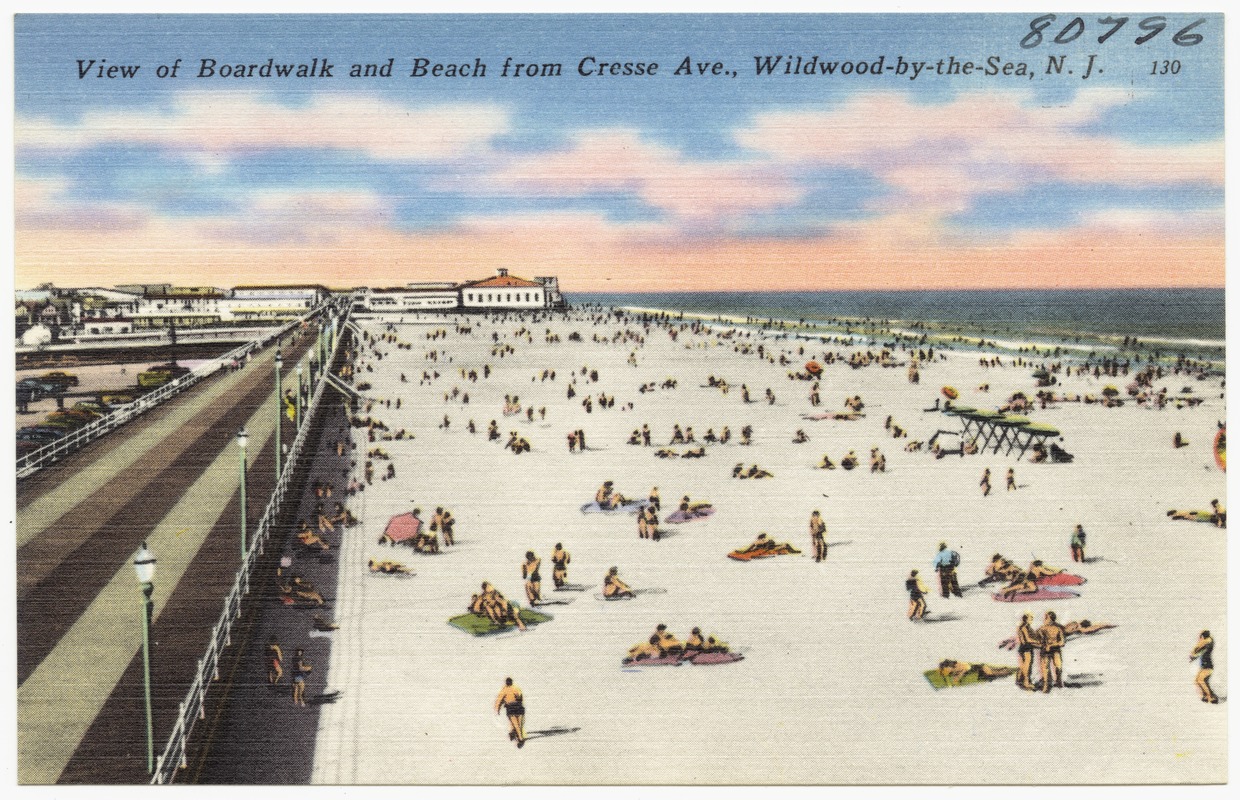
x=695, y=452
x=765, y=544
x=848, y=462
x=494, y=606
x=517, y=444
x=754, y=471
x=608, y=498
x=662, y=644
x=1019, y=581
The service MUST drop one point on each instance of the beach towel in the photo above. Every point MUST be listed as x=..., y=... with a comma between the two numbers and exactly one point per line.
x=630, y=507
x=847, y=416
x=678, y=517
x=481, y=625
x=665, y=661
x=937, y=680
x=750, y=555
x=698, y=659
x=1062, y=579
x=403, y=527
x=1040, y=594
x=709, y=659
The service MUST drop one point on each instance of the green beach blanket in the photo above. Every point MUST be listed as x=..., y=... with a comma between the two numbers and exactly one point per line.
x=970, y=679
x=480, y=625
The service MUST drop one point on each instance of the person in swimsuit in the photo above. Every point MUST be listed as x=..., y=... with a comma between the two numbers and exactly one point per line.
x=916, y=597
x=1039, y=570
x=559, y=561
x=985, y=484
x=533, y=581
x=613, y=587
x=1051, y=658
x=817, y=534
x=1204, y=650
x=275, y=662
x=644, y=650
x=669, y=643
x=953, y=672
x=1077, y=544
x=695, y=643
x=1022, y=584
x=1026, y=641
x=301, y=668
x=512, y=701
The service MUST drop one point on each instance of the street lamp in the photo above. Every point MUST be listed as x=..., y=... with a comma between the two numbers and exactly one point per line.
x=279, y=411
x=144, y=568
x=242, y=437
x=299, y=397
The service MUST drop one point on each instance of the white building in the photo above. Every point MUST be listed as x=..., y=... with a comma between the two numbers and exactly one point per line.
x=504, y=291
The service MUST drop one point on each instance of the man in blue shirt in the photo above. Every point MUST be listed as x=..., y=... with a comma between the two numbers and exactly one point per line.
x=945, y=564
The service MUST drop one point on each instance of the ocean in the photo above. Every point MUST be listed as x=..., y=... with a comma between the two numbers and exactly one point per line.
x=1191, y=321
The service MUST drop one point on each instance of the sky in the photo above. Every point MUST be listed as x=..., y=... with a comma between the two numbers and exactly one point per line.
x=664, y=182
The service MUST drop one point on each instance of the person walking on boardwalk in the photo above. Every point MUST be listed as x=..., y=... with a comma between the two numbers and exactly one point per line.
x=533, y=581
x=1011, y=479
x=1052, y=638
x=817, y=535
x=1078, y=544
x=275, y=662
x=916, y=597
x=1027, y=641
x=1204, y=650
x=559, y=562
x=513, y=703
x=945, y=564
x=301, y=668
x=985, y=484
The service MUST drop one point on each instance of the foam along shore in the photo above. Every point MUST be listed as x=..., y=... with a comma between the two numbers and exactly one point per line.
x=832, y=687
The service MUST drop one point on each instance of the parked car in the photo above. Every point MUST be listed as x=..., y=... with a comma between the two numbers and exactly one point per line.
x=41, y=433
x=160, y=374
x=90, y=406
x=40, y=387
x=62, y=379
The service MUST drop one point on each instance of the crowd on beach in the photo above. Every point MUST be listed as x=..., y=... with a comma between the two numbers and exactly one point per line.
x=512, y=335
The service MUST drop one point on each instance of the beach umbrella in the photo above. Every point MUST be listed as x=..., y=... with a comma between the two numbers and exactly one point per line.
x=402, y=527
x=950, y=392
x=1110, y=391
x=1019, y=397
x=813, y=368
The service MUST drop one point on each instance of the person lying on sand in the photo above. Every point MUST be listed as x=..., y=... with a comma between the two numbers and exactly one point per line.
x=1038, y=570
x=954, y=672
x=1082, y=628
x=756, y=472
x=388, y=567
x=666, y=453
x=687, y=507
x=763, y=542
x=849, y=461
x=699, y=452
x=613, y=587
x=739, y=471
x=1023, y=584
x=1000, y=569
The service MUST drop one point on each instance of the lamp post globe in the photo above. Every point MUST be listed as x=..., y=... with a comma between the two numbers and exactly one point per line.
x=242, y=438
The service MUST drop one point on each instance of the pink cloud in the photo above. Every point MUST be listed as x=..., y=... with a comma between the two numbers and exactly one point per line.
x=622, y=161
x=205, y=124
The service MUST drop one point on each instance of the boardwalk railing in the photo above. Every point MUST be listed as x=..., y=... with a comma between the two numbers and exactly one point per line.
x=193, y=707
x=52, y=452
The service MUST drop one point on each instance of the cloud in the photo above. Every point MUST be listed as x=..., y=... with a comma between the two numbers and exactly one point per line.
x=208, y=125
x=622, y=161
x=938, y=157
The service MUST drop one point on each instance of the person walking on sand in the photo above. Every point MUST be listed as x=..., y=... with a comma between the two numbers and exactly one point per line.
x=512, y=701
x=559, y=562
x=945, y=564
x=1027, y=641
x=301, y=668
x=1204, y=650
x=533, y=581
x=1052, y=638
x=985, y=484
x=817, y=535
x=916, y=597
x=275, y=662
x=1078, y=544
x=1011, y=479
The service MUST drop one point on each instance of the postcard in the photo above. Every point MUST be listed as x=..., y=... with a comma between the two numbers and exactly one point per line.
x=629, y=399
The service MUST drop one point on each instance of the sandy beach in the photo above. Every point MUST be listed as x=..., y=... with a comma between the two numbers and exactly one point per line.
x=831, y=687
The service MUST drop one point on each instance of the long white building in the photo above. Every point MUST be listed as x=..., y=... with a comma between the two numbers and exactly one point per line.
x=502, y=292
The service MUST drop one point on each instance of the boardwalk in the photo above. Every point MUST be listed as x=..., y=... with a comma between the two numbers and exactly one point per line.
x=169, y=479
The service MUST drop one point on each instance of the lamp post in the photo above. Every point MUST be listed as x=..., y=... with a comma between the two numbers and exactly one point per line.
x=242, y=437
x=299, y=397
x=279, y=411
x=144, y=568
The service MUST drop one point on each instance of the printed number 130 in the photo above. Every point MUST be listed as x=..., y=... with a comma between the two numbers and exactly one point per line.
x=1076, y=27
